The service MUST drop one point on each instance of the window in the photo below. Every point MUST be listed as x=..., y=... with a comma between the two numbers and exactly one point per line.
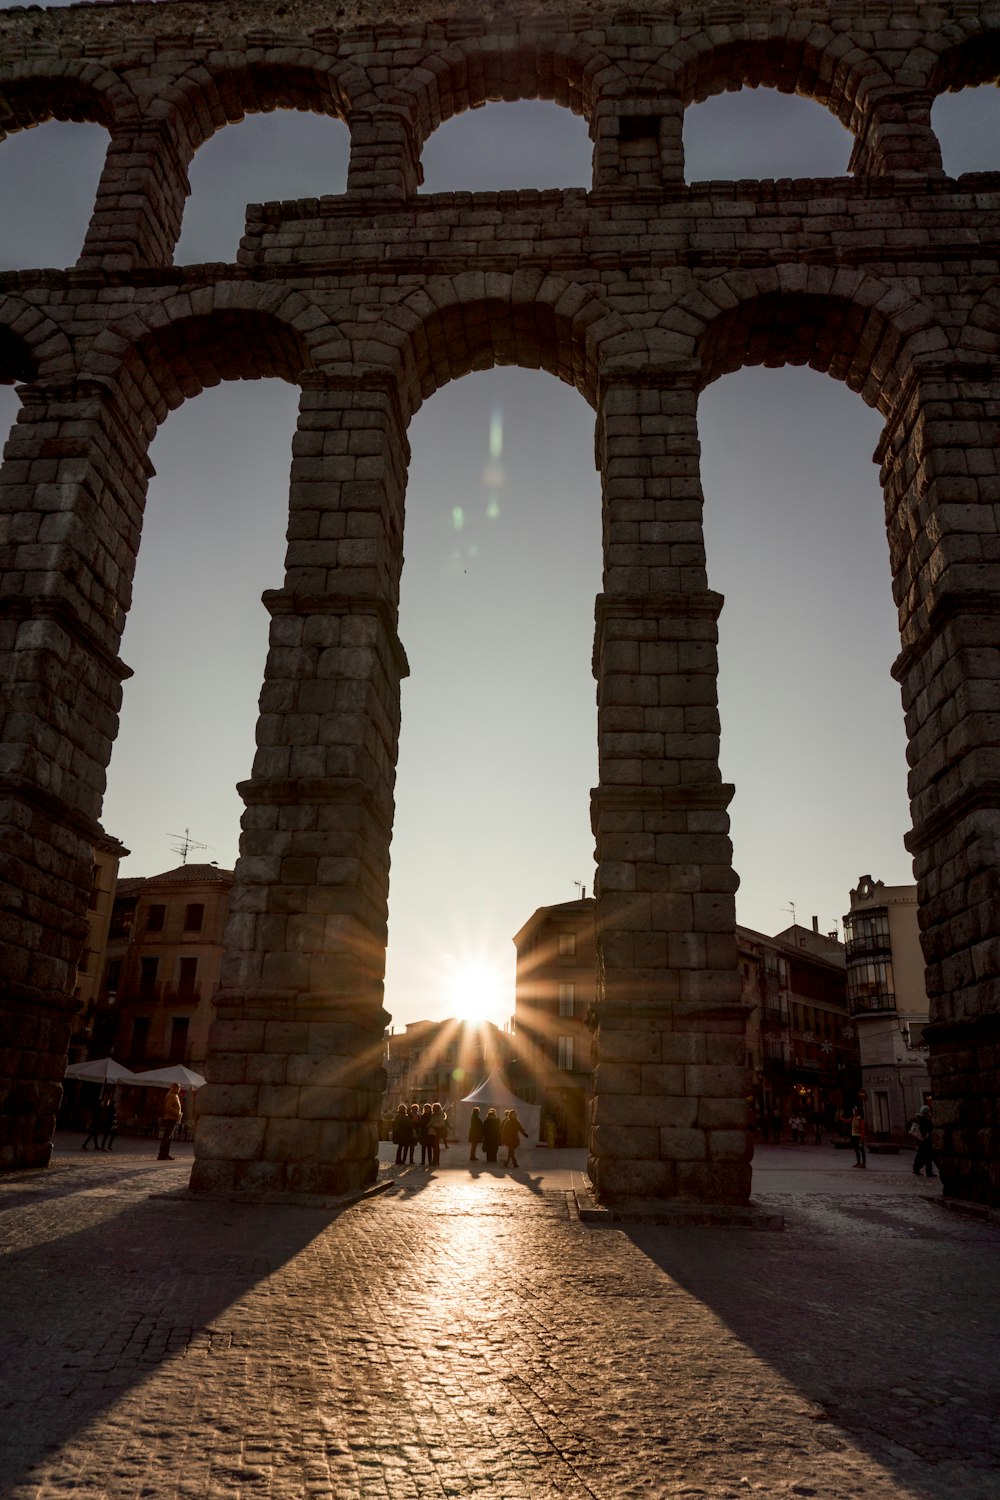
x=186, y=972
x=566, y=1053
x=114, y=976
x=567, y=945
x=178, y=1038
x=147, y=977
x=566, y=997
x=194, y=917
x=155, y=917
x=95, y=887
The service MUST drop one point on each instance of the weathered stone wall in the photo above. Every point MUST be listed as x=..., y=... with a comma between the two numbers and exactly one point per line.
x=638, y=293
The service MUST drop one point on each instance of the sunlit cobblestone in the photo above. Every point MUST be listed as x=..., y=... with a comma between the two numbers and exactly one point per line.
x=464, y=1335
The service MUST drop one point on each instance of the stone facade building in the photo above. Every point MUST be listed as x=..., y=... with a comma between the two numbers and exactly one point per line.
x=90, y=971
x=638, y=293
x=555, y=987
x=802, y=1048
x=888, y=1002
x=164, y=965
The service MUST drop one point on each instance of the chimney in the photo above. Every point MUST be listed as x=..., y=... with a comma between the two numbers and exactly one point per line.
x=816, y=924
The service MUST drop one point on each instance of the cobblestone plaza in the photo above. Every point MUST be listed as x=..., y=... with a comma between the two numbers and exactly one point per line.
x=466, y=1334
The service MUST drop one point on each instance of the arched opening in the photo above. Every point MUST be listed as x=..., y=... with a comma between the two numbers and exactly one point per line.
x=48, y=184
x=498, y=749
x=502, y=147
x=281, y=155
x=967, y=125
x=196, y=635
x=761, y=133
x=812, y=729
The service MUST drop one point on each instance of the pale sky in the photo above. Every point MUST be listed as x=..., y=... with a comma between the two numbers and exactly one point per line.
x=498, y=747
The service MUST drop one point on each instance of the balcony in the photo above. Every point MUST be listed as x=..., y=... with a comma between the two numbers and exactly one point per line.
x=157, y=993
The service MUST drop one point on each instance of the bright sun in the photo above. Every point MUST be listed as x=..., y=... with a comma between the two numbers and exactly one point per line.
x=476, y=991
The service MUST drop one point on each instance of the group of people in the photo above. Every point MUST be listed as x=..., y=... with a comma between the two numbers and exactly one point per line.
x=427, y=1127
x=921, y=1128
x=494, y=1133
x=104, y=1123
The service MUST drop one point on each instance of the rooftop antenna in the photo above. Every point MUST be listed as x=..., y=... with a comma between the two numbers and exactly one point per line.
x=791, y=907
x=581, y=888
x=187, y=843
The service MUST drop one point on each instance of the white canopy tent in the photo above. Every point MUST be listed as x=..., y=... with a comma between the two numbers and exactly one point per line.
x=494, y=1094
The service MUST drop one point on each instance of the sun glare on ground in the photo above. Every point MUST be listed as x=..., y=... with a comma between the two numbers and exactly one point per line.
x=476, y=991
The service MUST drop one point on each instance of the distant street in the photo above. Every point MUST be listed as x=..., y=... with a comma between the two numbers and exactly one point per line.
x=463, y=1333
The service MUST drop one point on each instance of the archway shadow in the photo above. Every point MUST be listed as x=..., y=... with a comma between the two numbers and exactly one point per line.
x=880, y=1313
x=91, y=1313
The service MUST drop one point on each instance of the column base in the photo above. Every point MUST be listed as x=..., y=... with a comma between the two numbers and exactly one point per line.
x=32, y=1064
x=965, y=1076
x=292, y=1103
x=679, y=1213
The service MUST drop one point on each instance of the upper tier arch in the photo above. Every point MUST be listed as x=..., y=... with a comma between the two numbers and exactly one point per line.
x=845, y=323
x=172, y=351
x=476, y=320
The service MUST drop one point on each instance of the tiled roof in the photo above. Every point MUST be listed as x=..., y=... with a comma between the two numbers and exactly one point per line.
x=191, y=875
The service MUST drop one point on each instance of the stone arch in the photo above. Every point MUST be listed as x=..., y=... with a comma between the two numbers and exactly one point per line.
x=480, y=70
x=965, y=54
x=857, y=328
x=71, y=89
x=31, y=346
x=825, y=66
x=229, y=85
x=174, y=350
x=476, y=320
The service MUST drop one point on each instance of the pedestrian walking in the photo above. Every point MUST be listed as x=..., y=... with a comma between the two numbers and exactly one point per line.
x=923, y=1127
x=491, y=1134
x=475, y=1134
x=401, y=1133
x=415, y=1118
x=170, y=1117
x=857, y=1124
x=94, y=1133
x=109, y=1124
x=511, y=1132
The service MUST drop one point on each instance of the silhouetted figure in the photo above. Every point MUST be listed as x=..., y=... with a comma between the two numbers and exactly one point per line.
x=414, y=1131
x=96, y=1128
x=491, y=1134
x=426, y=1144
x=170, y=1117
x=511, y=1132
x=475, y=1134
x=857, y=1124
x=438, y=1133
x=924, y=1158
x=402, y=1134
x=109, y=1124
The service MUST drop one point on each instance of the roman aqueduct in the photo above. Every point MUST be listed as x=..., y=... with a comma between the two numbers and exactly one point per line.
x=638, y=293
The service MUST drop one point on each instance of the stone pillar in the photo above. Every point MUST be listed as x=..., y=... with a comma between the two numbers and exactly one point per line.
x=638, y=142
x=385, y=154
x=140, y=199
x=295, y=1054
x=71, y=495
x=895, y=137
x=670, y=1115
x=940, y=473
